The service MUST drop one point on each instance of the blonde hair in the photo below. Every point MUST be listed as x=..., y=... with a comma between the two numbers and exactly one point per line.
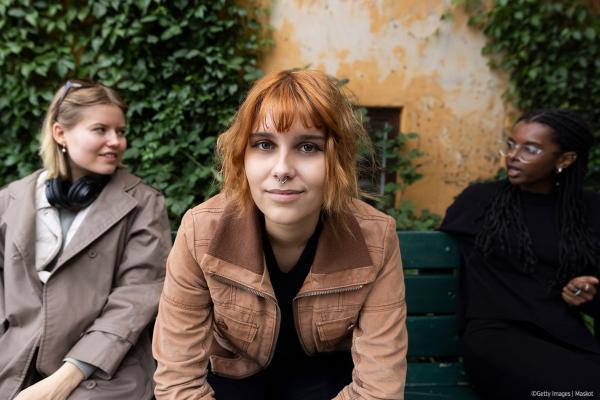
x=66, y=108
x=319, y=102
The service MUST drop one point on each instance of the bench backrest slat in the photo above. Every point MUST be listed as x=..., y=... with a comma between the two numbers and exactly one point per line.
x=424, y=250
x=430, y=261
x=431, y=293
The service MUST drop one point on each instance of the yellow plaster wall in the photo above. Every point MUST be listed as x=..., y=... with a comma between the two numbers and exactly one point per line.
x=402, y=53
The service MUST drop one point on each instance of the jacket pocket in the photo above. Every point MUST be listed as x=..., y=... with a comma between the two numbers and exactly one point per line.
x=239, y=333
x=333, y=334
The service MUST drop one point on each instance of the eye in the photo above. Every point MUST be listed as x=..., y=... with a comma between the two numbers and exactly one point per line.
x=308, y=148
x=121, y=132
x=530, y=149
x=263, y=145
x=99, y=129
x=510, y=145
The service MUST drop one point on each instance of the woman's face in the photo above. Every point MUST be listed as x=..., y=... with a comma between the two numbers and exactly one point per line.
x=533, y=142
x=95, y=146
x=286, y=173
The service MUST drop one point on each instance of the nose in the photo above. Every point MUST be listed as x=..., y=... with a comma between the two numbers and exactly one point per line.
x=112, y=138
x=513, y=152
x=284, y=166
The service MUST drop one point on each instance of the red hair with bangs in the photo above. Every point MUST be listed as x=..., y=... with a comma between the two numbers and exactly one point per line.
x=318, y=101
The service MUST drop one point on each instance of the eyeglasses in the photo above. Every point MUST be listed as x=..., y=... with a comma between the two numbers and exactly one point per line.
x=525, y=153
x=66, y=88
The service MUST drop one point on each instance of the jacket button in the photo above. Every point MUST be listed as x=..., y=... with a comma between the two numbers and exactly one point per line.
x=92, y=254
x=350, y=326
x=90, y=384
x=222, y=325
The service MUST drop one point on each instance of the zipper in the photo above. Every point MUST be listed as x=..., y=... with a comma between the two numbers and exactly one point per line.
x=317, y=293
x=259, y=294
x=329, y=291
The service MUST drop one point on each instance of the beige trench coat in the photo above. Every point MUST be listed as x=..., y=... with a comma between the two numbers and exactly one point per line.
x=103, y=293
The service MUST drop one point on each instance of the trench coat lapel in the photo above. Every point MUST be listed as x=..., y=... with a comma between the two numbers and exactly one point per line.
x=21, y=213
x=110, y=207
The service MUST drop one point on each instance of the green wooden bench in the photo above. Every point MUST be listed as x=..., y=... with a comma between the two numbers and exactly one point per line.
x=430, y=261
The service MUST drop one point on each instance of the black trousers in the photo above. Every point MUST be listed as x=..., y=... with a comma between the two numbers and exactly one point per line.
x=516, y=360
x=322, y=379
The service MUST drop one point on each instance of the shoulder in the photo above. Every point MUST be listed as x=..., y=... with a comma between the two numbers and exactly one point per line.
x=374, y=224
x=134, y=186
x=478, y=193
x=464, y=214
x=592, y=204
x=202, y=220
x=132, y=183
x=17, y=187
x=592, y=199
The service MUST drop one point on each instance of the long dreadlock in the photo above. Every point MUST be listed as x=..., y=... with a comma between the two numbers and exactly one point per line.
x=579, y=249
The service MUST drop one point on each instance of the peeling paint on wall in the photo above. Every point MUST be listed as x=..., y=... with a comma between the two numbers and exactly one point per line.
x=402, y=53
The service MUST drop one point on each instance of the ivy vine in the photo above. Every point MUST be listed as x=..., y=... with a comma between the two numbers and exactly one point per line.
x=182, y=66
x=551, y=49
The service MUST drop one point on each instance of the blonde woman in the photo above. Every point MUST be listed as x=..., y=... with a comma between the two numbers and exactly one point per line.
x=285, y=286
x=82, y=251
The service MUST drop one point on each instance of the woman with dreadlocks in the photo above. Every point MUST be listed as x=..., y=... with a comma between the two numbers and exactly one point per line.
x=530, y=249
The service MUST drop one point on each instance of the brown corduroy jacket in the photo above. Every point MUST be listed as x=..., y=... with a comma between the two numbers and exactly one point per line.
x=218, y=304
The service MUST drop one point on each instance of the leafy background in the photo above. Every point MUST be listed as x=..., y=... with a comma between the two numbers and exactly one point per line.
x=182, y=66
x=551, y=50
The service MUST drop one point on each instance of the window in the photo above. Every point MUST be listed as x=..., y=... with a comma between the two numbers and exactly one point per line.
x=377, y=119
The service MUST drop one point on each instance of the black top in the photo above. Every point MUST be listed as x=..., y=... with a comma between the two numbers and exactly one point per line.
x=286, y=285
x=497, y=289
x=291, y=370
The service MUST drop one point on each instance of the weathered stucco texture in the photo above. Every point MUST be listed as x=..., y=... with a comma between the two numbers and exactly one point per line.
x=404, y=53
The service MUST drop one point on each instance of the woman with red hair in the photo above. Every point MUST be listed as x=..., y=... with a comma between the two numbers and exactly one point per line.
x=285, y=285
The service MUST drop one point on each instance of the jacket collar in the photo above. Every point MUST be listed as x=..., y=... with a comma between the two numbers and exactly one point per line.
x=342, y=257
x=113, y=204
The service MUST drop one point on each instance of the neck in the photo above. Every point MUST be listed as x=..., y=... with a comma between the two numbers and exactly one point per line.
x=286, y=236
x=540, y=189
x=288, y=241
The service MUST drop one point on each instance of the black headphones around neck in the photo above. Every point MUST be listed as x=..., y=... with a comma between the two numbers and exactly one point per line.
x=74, y=196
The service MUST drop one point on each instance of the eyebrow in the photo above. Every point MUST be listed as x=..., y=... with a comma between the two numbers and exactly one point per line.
x=303, y=137
x=104, y=125
x=527, y=142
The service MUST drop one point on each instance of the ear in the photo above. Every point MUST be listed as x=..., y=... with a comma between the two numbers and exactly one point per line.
x=566, y=159
x=58, y=134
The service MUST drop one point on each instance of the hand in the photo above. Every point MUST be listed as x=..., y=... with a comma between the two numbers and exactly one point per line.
x=579, y=290
x=57, y=386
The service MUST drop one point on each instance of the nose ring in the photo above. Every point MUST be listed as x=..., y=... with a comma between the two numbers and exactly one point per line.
x=283, y=180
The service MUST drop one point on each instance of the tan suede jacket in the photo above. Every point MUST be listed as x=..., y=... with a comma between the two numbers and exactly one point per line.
x=218, y=304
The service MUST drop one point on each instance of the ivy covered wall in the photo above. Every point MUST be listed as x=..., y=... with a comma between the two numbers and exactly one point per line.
x=551, y=50
x=181, y=65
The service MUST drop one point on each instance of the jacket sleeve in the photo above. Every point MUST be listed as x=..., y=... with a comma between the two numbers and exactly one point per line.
x=380, y=340
x=133, y=300
x=183, y=329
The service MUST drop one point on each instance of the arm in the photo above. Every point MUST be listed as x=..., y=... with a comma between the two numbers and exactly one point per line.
x=183, y=329
x=57, y=386
x=133, y=300
x=585, y=299
x=380, y=339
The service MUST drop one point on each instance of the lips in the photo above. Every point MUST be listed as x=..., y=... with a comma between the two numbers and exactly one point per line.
x=109, y=156
x=512, y=171
x=282, y=196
